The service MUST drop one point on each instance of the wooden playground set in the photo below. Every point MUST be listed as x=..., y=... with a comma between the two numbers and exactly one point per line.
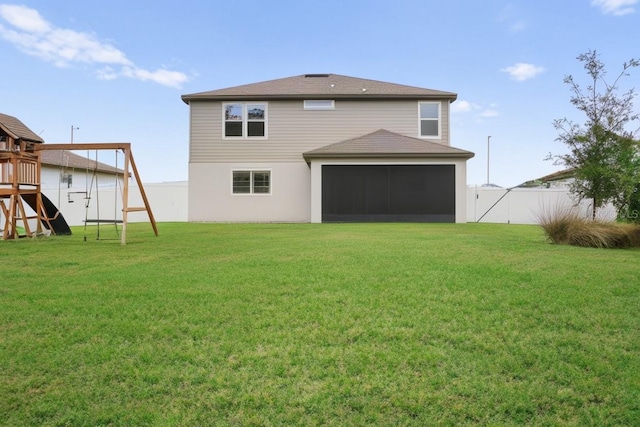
x=20, y=183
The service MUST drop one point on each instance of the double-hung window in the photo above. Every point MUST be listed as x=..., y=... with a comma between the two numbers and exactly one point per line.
x=245, y=120
x=429, y=119
x=252, y=182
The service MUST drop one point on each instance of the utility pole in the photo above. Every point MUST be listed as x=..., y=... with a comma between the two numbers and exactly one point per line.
x=488, y=151
x=72, y=128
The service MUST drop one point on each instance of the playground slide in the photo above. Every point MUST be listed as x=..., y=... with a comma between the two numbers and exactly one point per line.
x=57, y=221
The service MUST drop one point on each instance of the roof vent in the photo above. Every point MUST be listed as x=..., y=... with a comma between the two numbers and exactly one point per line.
x=315, y=75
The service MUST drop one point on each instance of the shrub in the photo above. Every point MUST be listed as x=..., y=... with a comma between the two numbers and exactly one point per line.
x=566, y=226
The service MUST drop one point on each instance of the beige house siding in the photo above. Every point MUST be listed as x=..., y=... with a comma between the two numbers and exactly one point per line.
x=287, y=120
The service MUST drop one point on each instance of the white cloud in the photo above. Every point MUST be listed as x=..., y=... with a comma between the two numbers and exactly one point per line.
x=24, y=19
x=615, y=7
x=33, y=35
x=479, y=112
x=161, y=76
x=462, y=106
x=107, y=73
x=523, y=71
x=489, y=112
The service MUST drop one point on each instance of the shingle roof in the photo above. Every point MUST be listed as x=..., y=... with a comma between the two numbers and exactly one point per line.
x=552, y=177
x=17, y=130
x=320, y=86
x=385, y=144
x=69, y=159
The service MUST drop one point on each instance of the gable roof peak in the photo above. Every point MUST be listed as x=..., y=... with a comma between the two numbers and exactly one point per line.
x=17, y=130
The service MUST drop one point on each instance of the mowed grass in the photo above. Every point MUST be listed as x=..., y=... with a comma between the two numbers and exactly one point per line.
x=318, y=324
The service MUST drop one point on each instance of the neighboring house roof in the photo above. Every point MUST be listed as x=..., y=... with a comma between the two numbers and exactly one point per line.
x=562, y=175
x=67, y=159
x=17, y=130
x=320, y=86
x=385, y=144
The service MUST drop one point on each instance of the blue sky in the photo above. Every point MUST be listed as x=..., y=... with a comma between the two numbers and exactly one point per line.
x=116, y=69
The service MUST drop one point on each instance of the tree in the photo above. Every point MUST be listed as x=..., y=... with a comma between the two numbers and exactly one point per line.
x=627, y=167
x=603, y=151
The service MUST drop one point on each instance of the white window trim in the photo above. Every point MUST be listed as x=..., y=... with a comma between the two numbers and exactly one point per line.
x=439, y=136
x=245, y=120
x=252, y=171
x=308, y=104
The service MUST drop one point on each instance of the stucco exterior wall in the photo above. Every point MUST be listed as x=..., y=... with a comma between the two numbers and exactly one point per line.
x=211, y=197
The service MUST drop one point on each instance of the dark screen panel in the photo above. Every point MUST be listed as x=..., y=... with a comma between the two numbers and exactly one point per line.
x=388, y=193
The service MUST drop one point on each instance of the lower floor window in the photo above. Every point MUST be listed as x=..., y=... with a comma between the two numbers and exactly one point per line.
x=251, y=182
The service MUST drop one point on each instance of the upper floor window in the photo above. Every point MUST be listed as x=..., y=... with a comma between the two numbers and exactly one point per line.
x=245, y=120
x=319, y=104
x=429, y=119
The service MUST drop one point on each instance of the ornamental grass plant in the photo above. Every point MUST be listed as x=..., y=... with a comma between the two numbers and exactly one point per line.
x=567, y=226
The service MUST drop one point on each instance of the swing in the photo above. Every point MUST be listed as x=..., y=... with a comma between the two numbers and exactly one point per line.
x=128, y=163
x=98, y=220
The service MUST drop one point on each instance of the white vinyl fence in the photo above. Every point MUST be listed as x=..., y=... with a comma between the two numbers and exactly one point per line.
x=524, y=205
x=169, y=203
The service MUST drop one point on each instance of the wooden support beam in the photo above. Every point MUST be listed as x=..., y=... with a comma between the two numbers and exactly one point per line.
x=43, y=215
x=85, y=146
x=143, y=194
x=39, y=205
x=125, y=197
x=12, y=215
x=23, y=216
x=5, y=212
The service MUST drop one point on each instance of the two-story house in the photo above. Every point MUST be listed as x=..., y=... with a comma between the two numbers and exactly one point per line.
x=324, y=148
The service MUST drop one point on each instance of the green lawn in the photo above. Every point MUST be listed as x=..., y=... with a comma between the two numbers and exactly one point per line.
x=318, y=324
